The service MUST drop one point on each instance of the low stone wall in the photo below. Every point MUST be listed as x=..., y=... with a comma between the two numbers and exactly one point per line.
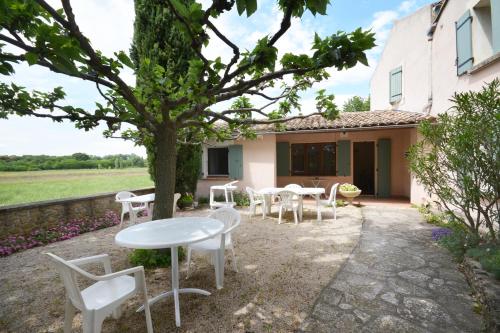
x=487, y=289
x=22, y=219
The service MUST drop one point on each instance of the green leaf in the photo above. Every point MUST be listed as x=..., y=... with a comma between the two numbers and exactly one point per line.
x=123, y=57
x=240, y=6
x=31, y=58
x=251, y=7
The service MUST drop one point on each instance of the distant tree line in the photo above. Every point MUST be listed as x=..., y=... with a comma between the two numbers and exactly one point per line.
x=356, y=104
x=75, y=161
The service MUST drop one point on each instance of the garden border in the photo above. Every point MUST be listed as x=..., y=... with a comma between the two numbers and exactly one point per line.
x=487, y=289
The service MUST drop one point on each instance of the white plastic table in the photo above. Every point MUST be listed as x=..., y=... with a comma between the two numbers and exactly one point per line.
x=268, y=192
x=145, y=199
x=170, y=233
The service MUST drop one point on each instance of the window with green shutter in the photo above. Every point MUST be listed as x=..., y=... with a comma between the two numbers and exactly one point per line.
x=396, y=85
x=235, y=158
x=282, y=159
x=463, y=29
x=344, y=158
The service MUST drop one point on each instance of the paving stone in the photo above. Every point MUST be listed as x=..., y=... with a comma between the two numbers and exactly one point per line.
x=389, y=323
x=397, y=280
x=390, y=297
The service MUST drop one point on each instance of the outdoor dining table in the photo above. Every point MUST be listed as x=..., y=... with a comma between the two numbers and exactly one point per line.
x=141, y=199
x=170, y=233
x=269, y=192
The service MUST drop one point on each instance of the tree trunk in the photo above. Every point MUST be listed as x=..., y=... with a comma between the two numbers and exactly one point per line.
x=165, y=161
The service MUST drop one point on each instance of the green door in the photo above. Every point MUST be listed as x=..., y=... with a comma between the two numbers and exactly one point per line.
x=344, y=158
x=235, y=161
x=384, y=168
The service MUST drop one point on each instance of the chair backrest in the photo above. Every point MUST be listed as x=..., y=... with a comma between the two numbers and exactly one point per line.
x=293, y=186
x=231, y=183
x=251, y=194
x=333, y=193
x=229, y=216
x=286, y=197
x=124, y=195
x=68, y=276
x=177, y=196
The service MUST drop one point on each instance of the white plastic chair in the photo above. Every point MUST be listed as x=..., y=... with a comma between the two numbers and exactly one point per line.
x=255, y=200
x=104, y=297
x=288, y=200
x=177, y=196
x=293, y=186
x=127, y=207
x=216, y=246
x=332, y=200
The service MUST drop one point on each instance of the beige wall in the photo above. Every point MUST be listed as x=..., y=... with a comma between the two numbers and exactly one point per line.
x=445, y=81
x=400, y=141
x=429, y=70
x=259, y=161
x=407, y=47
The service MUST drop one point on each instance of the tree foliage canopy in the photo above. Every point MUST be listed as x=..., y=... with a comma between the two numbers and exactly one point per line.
x=165, y=102
x=356, y=104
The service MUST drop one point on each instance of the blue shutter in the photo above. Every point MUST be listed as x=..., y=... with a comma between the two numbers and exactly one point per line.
x=396, y=85
x=464, y=43
x=282, y=159
x=384, y=168
x=344, y=158
x=495, y=24
x=235, y=161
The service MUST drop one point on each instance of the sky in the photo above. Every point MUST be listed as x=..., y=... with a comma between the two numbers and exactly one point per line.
x=109, y=26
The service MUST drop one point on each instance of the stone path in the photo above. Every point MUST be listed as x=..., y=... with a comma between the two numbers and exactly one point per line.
x=396, y=280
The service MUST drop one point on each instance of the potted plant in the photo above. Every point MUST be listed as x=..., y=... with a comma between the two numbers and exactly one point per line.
x=349, y=191
x=185, y=201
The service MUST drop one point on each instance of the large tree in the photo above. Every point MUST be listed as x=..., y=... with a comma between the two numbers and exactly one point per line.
x=166, y=104
x=356, y=104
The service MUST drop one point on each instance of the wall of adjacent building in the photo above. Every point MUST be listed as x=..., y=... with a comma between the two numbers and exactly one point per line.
x=407, y=47
x=445, y=81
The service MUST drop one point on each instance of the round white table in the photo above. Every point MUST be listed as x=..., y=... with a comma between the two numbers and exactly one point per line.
x=268, y=192
x=170, y=233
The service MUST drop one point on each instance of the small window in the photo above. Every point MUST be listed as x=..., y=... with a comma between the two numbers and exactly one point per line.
x=396, y=85
x=218, y=161
x=313, y=159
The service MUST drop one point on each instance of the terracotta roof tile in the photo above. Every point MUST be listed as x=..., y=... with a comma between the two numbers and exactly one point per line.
x=351, y=120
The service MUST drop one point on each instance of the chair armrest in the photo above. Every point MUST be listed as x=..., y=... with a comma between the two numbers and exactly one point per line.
x=100, y=258
x=138, y=270
x=225, y=232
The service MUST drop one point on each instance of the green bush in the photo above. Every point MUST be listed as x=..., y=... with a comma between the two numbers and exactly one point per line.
x=459, y=241
x=203, y=200
x=241, y=199
x=154, y=258
x=348, y=187
x=489, y=257
x=186, y=200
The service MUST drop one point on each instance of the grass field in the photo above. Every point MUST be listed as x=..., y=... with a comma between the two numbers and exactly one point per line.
x=30, y=186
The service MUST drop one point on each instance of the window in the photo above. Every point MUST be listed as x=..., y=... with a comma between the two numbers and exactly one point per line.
x=218, y=161
x=486, y=29
x=313, y=159
x=395, y=85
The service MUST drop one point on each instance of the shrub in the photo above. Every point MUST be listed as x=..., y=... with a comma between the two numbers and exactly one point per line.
x=458, y=159
x=241, y=199
x=439, y=233
x=154, y=258
x=488, y=256
x=459, y=241
x=203, y=200
x=63, y=231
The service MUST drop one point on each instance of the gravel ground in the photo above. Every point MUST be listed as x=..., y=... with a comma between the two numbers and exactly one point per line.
x=282, y=269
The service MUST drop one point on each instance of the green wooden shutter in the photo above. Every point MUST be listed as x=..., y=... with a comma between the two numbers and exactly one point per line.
x=344, y=158
x=495, y=24
x=464, y=43
x=282, y=159
x=235, y=160
x=384, y=168
x=395, y=85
